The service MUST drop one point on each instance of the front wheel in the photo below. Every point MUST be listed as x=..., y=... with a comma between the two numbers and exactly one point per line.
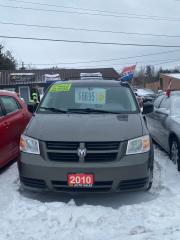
x=175, y=153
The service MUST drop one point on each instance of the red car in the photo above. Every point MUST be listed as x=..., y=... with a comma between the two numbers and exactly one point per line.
x=14, y=117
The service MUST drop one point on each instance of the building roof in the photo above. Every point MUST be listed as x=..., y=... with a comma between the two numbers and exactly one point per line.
x=65, y=74
x=107, y=73
x=172, y=75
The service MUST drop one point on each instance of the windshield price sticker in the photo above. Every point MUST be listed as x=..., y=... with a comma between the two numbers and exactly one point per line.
x=90, y=95
x=62, y=87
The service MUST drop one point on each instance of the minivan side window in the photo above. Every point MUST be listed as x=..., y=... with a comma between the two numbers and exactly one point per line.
x=10, y=104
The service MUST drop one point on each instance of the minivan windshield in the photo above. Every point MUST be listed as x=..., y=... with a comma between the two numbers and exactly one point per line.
x=72, y=98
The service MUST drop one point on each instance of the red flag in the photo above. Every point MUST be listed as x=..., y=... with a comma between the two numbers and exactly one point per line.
x=127, y=73
x=129, y=69
x=168, y=91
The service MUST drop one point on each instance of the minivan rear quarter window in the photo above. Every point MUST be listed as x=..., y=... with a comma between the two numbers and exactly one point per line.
x=117, y=99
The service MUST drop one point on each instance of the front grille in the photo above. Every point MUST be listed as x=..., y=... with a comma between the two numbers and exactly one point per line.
x=102, y=145
x=104, y=186
x=100, y=157
x=62, y=145
x=34, y=183
x=90, y=158
x=63, y=157
x=95, y=151
x=133, y=184
x=97, y=146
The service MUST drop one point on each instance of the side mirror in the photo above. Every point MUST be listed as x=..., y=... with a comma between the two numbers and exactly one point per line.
x=148, y=108
x=32, y=107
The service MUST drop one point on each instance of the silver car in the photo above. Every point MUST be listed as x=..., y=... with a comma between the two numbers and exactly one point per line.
x=164, y=124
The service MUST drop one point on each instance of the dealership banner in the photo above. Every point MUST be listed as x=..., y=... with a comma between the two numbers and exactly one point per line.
x=22, y=77
x=50, y=78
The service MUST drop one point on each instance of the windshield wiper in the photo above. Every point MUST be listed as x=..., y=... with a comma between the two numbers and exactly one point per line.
x=90, y=110
x=77, y=110
x=57, y=110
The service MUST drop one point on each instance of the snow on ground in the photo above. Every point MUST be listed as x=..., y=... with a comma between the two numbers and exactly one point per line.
x=137, y=216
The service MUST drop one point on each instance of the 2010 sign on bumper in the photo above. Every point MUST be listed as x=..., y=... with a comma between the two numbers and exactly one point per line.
x=80, y=180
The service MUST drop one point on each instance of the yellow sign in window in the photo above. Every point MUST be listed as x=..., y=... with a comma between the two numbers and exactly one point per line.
x=60, y=87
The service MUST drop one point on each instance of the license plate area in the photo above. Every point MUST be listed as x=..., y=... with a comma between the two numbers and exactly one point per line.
x=80, y=180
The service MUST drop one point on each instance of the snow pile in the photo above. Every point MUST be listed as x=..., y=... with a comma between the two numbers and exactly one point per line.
x=137, y=216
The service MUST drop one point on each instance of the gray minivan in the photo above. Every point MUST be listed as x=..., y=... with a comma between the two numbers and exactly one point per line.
x=87, y=136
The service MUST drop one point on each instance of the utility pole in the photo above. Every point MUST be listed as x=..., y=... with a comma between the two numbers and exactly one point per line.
x=22, y=66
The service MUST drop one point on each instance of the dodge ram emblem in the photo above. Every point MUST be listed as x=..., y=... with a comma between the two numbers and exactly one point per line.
x=82, y=152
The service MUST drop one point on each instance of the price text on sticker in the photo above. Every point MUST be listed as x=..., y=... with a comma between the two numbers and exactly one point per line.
x=90, y=96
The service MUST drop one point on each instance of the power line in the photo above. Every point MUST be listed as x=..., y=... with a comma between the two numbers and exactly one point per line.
x=88, y=30
x=168, y=61
x=126, y=64
x=90, y=42
x=92, y=14
x=106, y=60
x=91, y=10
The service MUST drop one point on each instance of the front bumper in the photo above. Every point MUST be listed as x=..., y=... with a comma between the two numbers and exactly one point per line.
x=130, y=173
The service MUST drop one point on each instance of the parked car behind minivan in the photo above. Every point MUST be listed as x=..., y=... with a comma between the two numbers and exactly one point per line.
x=164, y=124
x=147, y=95
x=14, y=117
x=87, y=136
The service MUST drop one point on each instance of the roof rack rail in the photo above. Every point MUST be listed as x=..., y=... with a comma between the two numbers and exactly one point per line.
x=86, y=76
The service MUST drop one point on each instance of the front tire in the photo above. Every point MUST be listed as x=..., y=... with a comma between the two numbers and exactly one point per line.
x=175, y=153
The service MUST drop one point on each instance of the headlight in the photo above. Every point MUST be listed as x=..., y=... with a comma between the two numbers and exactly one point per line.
x=138, y=145
x=29, y=145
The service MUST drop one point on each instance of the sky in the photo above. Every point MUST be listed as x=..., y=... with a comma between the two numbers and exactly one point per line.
x=130, y=19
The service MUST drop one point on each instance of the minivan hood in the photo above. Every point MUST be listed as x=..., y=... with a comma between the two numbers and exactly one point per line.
x=84, y=127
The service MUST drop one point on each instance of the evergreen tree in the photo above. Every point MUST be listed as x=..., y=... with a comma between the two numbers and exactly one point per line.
x=7, y=61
